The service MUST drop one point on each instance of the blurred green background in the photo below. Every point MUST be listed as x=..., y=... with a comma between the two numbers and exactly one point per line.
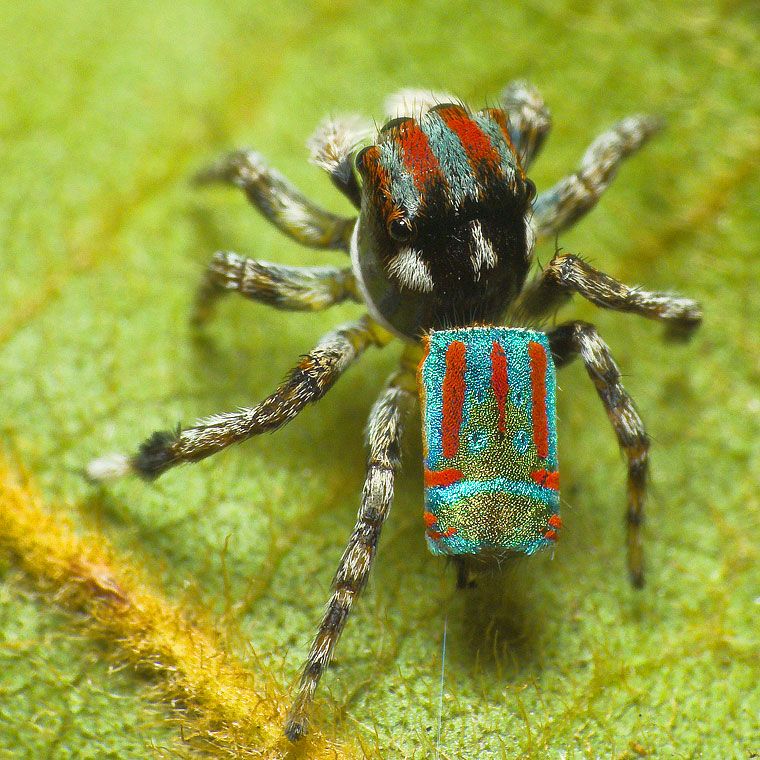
x=107, y=108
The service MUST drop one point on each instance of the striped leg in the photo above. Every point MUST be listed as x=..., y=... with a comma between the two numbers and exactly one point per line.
x=572, y=197
x=384, y=438
x=307, y=383
x=279, y=201
x=567, y=274
x=571, y=339
x=529, y=120
x=292, y=288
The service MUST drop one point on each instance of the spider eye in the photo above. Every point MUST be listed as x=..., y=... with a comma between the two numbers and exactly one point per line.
x=400, y=229
x=530, y=190
x=361, y=158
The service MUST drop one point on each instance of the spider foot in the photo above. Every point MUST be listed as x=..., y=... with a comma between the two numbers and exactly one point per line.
x=156, y=454
x=297, y=723
x=108, y=467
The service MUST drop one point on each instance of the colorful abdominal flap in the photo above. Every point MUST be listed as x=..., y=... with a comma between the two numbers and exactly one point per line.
x=490, y=441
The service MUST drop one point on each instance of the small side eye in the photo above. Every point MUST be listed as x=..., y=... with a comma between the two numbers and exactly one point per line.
x=400, y=229
x=361, y=158
x=530, y=190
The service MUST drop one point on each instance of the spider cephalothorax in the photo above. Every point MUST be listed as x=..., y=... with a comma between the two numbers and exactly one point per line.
x=443, y=237
x=440, y=252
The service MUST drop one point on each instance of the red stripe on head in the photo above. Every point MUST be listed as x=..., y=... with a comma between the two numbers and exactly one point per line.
x=537, y=355
x=499, y=379
x=500, y=117
x=377, y=176
x=453, y=397
x=419, y=159
x=474, y=141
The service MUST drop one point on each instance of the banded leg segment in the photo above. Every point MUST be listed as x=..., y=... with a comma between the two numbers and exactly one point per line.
x=291, y=288
x=528, y=118
x=384, y=440
x=307, y=383
x=280, y=202
x=567, y=274
x=572, y=197
x=579, y=338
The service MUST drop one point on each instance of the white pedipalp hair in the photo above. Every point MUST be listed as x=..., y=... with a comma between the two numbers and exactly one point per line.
x=530, y=233
x=334, y=141
x=484, y=255
x=411, y=270
x=108, y=467
x=414, y=102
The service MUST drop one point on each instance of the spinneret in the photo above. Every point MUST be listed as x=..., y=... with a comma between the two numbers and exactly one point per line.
x=440, y=253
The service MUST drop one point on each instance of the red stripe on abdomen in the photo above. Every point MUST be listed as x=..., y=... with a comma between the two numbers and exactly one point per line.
x=453, y=397
x=537, y=356
x=499, y=380
x=442, y=477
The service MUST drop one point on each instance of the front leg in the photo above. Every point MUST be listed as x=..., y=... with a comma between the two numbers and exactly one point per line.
x=307, y=383
x=279, y=201
x=568, y=341
x=384, y=439
x=574, y=196
x=567, y=274
x=528, y=119
x=284, y=287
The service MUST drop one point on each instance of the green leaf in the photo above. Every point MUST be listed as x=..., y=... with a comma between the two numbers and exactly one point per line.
x=107, y=109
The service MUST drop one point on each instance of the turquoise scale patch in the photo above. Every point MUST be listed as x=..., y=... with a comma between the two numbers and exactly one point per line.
x=490, y=441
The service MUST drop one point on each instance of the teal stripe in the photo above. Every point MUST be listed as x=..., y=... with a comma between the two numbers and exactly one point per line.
x=439, y=496
x=403, y=190
x=453, y=545
x=452, y=158
x=496, y=137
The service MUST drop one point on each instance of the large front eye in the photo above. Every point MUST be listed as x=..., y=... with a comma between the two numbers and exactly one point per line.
x=400, y=229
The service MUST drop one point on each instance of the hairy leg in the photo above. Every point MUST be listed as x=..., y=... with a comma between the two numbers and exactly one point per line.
x=384, y=439
x=572, y=197
x=291, y=288
x=279, y=201
x=579, y=338
x=567, y=274
x=308, y=382
x=528, y=119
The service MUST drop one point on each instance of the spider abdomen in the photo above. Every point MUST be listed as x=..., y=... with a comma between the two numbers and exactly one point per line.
x=489, y=432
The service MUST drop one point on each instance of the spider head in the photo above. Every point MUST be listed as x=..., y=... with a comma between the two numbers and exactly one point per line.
x=444, y=236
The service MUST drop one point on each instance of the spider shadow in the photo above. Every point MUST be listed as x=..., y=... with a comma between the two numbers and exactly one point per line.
x=496, y=624
x=211, y=236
